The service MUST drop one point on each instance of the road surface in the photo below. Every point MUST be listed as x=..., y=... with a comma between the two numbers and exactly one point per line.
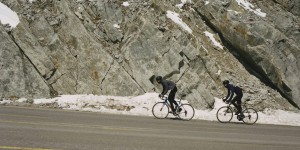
x=38, y=128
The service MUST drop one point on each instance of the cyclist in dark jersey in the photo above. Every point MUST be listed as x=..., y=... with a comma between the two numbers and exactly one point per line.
x=237, y=100
x=168, y=85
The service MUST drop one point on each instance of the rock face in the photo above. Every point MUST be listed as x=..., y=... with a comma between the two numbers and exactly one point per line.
x=107, y=48
x=270, y=45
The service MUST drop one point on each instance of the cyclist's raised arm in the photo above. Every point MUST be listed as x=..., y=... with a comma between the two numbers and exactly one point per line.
x=230, y=92
x=165, y=87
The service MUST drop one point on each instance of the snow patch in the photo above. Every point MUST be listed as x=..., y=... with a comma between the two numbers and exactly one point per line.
x=30, y=1
x=125, y=4
x=175, y=17
x=116, y=26
x=219, y=72
x=206, y=3
x=211, y=37
x=250, y=7
x=7, y=16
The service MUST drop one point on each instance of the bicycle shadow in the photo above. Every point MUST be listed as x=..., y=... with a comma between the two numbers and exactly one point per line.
x=237, y=122
x=175, y=118
x=240, y=122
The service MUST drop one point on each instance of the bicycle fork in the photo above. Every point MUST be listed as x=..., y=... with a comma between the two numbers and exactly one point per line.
x=162, y=107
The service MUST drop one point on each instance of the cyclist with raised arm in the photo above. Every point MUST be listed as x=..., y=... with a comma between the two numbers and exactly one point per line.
x=237, y=100
x=168, y=85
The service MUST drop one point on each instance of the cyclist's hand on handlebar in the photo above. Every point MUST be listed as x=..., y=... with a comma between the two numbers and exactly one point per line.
x=226, y=101
x=160, y=96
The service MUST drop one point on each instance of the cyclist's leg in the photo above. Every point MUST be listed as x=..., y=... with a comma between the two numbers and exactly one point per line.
x=171, y=99
x=172, y=105
x=237, y=102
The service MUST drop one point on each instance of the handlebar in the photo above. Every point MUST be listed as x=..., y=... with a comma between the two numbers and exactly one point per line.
x=243, y=103
x=163, y=97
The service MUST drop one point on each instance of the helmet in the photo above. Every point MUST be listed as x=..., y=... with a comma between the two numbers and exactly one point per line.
x=158, y=79
x=225, y=82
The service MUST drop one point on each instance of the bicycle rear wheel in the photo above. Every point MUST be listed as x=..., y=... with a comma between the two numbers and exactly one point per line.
x=187, y=112
x=251, y=116
x=160, y=110
x=224, y=114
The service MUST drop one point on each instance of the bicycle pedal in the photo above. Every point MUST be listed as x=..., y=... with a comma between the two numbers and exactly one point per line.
x=240, y=118
x=180, y=109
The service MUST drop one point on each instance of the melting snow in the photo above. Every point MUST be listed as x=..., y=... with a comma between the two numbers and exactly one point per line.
x=126, y=4
x=250, y=7
x=7, y=16
x=211, y=37
x=175, y=17
x=116, y=26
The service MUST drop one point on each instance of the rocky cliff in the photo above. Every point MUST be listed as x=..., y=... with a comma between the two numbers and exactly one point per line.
x=114, y=47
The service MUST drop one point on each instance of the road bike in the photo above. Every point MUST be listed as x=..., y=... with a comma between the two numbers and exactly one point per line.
x=225, y=114
x=161, y=110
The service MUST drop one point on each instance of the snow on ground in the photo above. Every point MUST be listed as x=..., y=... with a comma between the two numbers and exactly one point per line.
x=175, y=17
x=211, y=37
x=125, y=4
x=116, y=26
x=142, y=106
x=206, y=2
x=250, y=7
x=31, y=1
x=7, y=16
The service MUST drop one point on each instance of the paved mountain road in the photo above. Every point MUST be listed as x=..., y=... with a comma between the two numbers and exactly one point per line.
x=36, y=128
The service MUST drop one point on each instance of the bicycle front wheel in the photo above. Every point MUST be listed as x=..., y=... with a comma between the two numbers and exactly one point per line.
x=160, y=110
x=187, y=112
x=251, y=116
x=224, y=114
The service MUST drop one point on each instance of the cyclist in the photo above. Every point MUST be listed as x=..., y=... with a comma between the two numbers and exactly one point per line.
x=237, y=100
x=168, y=85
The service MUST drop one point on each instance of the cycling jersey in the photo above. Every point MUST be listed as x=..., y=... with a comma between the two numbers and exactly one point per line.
x=167, y=85
x=233, y=90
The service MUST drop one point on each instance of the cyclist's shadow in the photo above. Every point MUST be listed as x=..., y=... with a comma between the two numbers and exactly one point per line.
x=240, y=122
x=174, y=118
x=235, y=121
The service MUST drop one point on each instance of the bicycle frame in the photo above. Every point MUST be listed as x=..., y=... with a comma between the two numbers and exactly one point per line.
x=166, y=101
x=244, y=106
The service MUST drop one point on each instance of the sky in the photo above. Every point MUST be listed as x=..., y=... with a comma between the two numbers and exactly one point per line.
x=142, y=105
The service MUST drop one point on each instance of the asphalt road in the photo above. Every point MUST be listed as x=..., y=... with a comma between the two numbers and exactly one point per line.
x=35, y=128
